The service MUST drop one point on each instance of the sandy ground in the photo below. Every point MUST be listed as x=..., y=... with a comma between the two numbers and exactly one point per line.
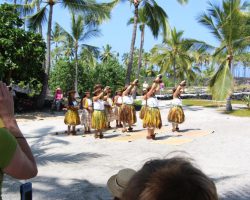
x=76, y=167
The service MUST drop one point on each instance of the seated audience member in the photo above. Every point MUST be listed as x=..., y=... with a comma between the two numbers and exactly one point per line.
x=16, y=158
x=117, y=183
x=170, y=179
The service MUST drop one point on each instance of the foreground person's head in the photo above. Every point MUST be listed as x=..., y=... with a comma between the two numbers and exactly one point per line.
x=170, y=179
x=118, y=182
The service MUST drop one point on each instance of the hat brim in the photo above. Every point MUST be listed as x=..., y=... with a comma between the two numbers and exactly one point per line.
x=113, y=188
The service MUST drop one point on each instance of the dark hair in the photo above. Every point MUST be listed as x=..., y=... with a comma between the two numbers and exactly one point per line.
x=174, y=89
x=170, y=179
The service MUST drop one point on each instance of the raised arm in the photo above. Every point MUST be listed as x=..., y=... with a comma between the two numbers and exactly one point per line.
x=155, y=87
x=95, y=98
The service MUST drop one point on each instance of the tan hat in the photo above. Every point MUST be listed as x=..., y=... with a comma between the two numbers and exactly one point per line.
x=118, y=182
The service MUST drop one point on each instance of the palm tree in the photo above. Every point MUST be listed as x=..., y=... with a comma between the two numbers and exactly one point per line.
x=173, y=55
x=229, y=26
x=107, y=54
x=88, y=57
x=81, y=30
x=57, y=38
x=155, y=20
x=146, y=4
x=101, y=11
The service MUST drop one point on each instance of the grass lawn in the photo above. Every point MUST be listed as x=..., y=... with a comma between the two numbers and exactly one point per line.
x=240, y=113
x=201, y=102
x=244, y=112
x=207, y=103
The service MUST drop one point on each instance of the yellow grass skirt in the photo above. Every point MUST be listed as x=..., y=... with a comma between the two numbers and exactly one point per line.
x=143, y=111
x=176, y=115
x=72, y=118
x=152, y=118
x=128, y=114
x=99, y=120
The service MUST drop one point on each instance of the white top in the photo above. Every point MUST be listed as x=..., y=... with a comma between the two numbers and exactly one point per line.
x=128, y=100
x=109, y=102
x=152, y=102
x=99, y=105
x=119, y=100
x=176, y=102
x=143, y=103
x=89, y=102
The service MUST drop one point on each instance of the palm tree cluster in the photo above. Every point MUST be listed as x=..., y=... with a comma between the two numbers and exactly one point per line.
x=176, y=57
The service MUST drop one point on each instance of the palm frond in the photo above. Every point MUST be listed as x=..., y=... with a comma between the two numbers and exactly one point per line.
x=182, y=1
x=207, y=21
x=26, y=9
x=38, y=19
x=90, y=34
x=221, y=84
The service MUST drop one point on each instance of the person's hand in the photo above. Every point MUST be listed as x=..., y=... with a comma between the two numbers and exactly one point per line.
x=6, y=104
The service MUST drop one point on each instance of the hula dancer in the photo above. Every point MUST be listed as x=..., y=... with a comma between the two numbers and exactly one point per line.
x=144, y=105
x=152, y=116
x=118, y=104
x=109, y=106
x=176, y=115
x=128, y=115
x=86, y=112
x=99, y=119
x=72, y=117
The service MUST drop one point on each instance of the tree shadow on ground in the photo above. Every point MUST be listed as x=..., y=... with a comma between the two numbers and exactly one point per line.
x=38, y=115
x=237, y=193
x=43, y=144
x=52, y=188
x=242, y=193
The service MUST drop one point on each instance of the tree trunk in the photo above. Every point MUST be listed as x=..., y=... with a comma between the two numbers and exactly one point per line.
x=140, y=52
x=131, y=54
x=76, y=72
x=140, y=56
x=174, y=73
x=40, y=29
x=229, y=103
x=8, y=78
x=43, y=94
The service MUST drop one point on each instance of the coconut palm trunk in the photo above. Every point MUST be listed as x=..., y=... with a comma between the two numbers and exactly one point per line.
x=140, y=52
x=140, y=55
x=43, y=94
x=76, y=72
x=174, y=67
x=40, y=29
x=131, y=55
x=229, y=102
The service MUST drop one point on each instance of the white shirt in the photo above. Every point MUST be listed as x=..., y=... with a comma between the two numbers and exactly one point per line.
x=128, y=100
x=119, y=100
x=99, y=105
x=152, y=102
x=176, y=102
x=143, y=103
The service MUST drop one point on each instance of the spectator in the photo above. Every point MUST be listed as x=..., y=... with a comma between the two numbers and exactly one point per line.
x=58, y=98
x=118, y=182
x=14, y=149
x=170, y=179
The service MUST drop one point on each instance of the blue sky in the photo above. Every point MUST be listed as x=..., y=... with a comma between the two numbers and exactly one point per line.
x=116, y=32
